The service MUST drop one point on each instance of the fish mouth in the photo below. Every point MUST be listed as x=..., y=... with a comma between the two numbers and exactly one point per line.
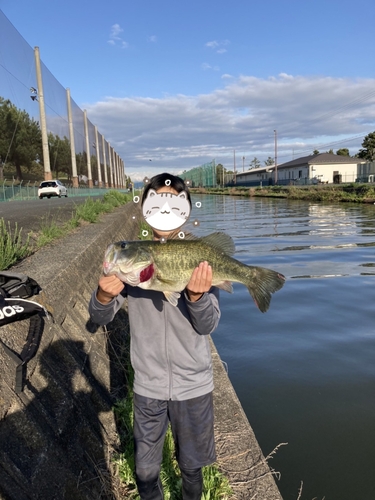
x=127, y=271
x=110, y=261
x=110, y=258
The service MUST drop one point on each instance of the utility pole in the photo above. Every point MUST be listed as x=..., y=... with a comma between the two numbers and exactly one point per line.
x=234, y=165
x=243, y=164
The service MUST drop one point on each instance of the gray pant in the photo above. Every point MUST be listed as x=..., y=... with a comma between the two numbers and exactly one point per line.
x=192, y=425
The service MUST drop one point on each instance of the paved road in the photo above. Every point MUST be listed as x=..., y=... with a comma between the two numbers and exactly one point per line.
x=32, y=214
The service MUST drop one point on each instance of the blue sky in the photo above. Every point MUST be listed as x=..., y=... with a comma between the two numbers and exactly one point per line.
x=182, y=83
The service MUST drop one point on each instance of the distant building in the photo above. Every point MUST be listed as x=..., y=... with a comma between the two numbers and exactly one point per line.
x=312, y=169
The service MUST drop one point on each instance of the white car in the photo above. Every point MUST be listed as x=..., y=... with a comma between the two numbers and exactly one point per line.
x=52, y=188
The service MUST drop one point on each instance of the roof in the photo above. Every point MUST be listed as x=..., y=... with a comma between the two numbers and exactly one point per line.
x=324, y=158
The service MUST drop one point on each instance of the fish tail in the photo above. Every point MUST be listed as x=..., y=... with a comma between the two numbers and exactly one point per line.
x=262, y=284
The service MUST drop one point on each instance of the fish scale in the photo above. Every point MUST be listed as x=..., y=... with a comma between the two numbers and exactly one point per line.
x=174, y=261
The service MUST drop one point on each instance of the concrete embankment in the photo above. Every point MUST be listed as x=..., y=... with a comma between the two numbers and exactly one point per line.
x=58, y=436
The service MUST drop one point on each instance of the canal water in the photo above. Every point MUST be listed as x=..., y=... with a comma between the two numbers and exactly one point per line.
x=305, y=370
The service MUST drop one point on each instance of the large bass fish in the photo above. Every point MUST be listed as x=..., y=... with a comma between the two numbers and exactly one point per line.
x=167, y=266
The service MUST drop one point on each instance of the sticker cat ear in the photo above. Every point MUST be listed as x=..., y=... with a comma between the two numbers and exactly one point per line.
x=151, y=193
x=183, y=195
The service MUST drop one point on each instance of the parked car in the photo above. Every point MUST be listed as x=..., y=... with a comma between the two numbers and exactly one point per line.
x=52, y=188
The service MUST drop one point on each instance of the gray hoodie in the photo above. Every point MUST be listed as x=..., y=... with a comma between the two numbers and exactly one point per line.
x=169, y=348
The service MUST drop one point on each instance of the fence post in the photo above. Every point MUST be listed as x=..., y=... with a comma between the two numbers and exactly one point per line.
x=98, y=157
x=42, y=112
x=71, y=136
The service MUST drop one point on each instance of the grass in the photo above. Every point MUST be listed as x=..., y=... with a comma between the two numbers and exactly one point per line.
x=14, y=248
x=145, y=231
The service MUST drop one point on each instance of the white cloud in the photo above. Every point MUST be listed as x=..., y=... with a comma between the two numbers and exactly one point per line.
x=115, y=31
x=212, y=45
x=206, y=66
x=181, y=132
x=218, y=46
x=115, y=39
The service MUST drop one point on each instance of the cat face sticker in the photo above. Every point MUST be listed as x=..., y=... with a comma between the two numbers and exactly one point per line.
x=166, y=211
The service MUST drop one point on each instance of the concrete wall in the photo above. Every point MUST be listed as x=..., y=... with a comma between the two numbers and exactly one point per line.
x=58, y=436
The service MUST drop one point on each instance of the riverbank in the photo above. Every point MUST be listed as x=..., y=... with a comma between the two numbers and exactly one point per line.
x=354, y=193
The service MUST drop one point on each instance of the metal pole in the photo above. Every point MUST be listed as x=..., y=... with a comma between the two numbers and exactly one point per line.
x=115, y=168
x=110, y=164
x=88, y=154
x=42, y=116
x=72, y=144
x=104, y=163
x=98, y=157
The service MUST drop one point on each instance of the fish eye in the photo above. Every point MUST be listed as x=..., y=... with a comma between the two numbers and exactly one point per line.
x=123, y=244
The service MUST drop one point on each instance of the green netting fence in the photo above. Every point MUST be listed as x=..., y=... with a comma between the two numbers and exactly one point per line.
x=203, y=176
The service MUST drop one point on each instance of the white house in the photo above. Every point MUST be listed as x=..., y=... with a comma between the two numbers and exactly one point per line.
x=312, y=169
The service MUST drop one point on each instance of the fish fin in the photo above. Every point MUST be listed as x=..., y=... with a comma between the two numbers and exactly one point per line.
x=225, y=285
x=172, y=297
x=264, y=283
x=220, y=241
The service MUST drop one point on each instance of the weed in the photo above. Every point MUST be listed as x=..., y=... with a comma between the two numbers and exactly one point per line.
x=89, y=211
x=145, y=231
x=49, y=232
x=12, y=248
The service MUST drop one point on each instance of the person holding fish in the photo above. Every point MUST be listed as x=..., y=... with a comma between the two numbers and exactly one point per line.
x=170, y=349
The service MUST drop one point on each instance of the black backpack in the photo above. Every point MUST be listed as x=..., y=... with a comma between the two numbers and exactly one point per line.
x=14, y=290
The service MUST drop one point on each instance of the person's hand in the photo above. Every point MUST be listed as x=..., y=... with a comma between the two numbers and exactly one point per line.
x=109, y=287
x=200, y=281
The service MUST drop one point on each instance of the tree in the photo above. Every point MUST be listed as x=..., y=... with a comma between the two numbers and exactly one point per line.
x=128, y=181
x=220, y=170
x=255, y=163
x=368, y=148
x=315, y=152
x=343, y=152
x=81, y=162
x=60, y=155
x=269, y=162
x=20, y=137
x=330, y=151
